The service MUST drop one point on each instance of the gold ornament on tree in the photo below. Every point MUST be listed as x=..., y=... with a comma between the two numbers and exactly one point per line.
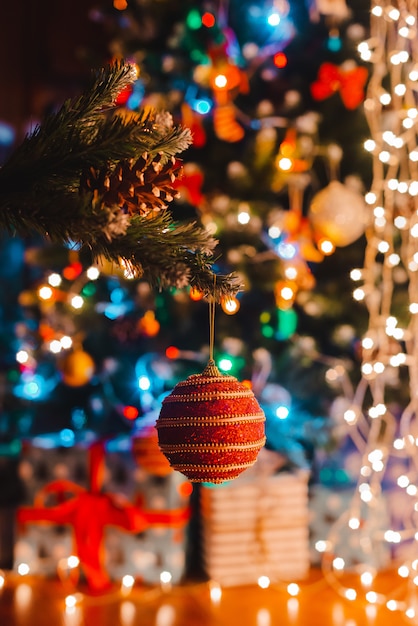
x=338, y=213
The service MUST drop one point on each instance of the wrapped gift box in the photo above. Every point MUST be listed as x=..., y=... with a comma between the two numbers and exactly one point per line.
x=42, y=545
x=256, y=526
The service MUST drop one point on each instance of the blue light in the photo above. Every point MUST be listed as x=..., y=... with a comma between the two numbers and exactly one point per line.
x=282, y=412
x=78, y=417
x=136, y=96
x=117, y=295
x=144, y=383
x=201, y=106
x=7, y=134
x=113, y=311
x=286, y=250
x=147, y=400
x=334, y=43
x=67, y=437
x=273, y=19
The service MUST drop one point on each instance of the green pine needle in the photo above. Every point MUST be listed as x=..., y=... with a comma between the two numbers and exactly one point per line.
x=40, y=187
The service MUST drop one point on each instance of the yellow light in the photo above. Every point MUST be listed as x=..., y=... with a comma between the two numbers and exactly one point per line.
x=366, y=578
x=356, y=274
x=287, y=293
x=379, y=367
x=369, y=145
x=230, y=305
x=322, y=546
x=403, y=481
x=73, y=561
x=358, y=294
x=385, y=99
x=370, y=197
x=92, y=273
x=350, y=594
x=274, y=232
x=384, y=156
x=221, y=81
x=54, y=280
x=393, y=13
x=285, y=164
x=243, y=217
x=70, y=602
x=55, y=346
x=23, y=569
x=128, y=581
x=215, y=592
x=350, y=416
x=400, y=222
x=403, y=571
x=45, y=293
x=367, y=369
x=383, y=247
x=377, y=11
x=367, y=343
x=264, y=582
x=165, y=577
x=293, y=589
x=291, y=272
x=66, y=342
x=371, y=596
x=22, y=356
x=77, y=302
x=354, y=523
x=326, y=246
x=338, y=563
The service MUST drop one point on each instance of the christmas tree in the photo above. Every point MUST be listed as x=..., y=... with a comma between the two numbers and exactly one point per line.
x=259, y=102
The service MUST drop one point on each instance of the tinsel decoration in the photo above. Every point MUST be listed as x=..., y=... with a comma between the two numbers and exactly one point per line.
x=211, y=427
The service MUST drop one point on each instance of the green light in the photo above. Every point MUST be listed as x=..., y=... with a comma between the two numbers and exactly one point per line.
x=89, y=290
x=287, y=323
x=194, y=20
x=267, y=331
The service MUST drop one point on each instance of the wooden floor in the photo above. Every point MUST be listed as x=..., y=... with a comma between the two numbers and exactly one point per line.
x=34, y=601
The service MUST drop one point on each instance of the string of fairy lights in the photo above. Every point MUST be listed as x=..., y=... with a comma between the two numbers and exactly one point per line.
x=386, y=435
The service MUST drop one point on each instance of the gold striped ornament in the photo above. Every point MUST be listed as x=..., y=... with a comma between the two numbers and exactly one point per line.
x=211, y=427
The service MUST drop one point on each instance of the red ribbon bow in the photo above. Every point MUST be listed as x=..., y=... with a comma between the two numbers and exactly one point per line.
x=90, y=511
x=349, y=83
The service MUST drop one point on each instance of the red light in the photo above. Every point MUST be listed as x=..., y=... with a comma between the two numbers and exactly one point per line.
x=185, y=489
x=280, y=59
x=72, y=271
x=172, y=352
x=130, y=412
x=208, y=20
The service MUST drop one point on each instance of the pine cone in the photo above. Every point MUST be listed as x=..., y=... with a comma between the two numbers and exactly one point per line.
x=136, y=187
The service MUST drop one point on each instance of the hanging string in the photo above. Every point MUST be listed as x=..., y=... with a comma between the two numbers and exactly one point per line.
x=212, y=304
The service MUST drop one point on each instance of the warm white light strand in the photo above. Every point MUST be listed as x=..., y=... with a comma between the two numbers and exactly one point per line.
x=390, y=344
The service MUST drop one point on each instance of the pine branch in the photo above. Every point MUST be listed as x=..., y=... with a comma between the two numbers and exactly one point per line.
x=94, y=177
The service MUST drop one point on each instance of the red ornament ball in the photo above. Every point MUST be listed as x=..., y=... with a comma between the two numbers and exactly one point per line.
x=211, y=427
x=147, y=453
